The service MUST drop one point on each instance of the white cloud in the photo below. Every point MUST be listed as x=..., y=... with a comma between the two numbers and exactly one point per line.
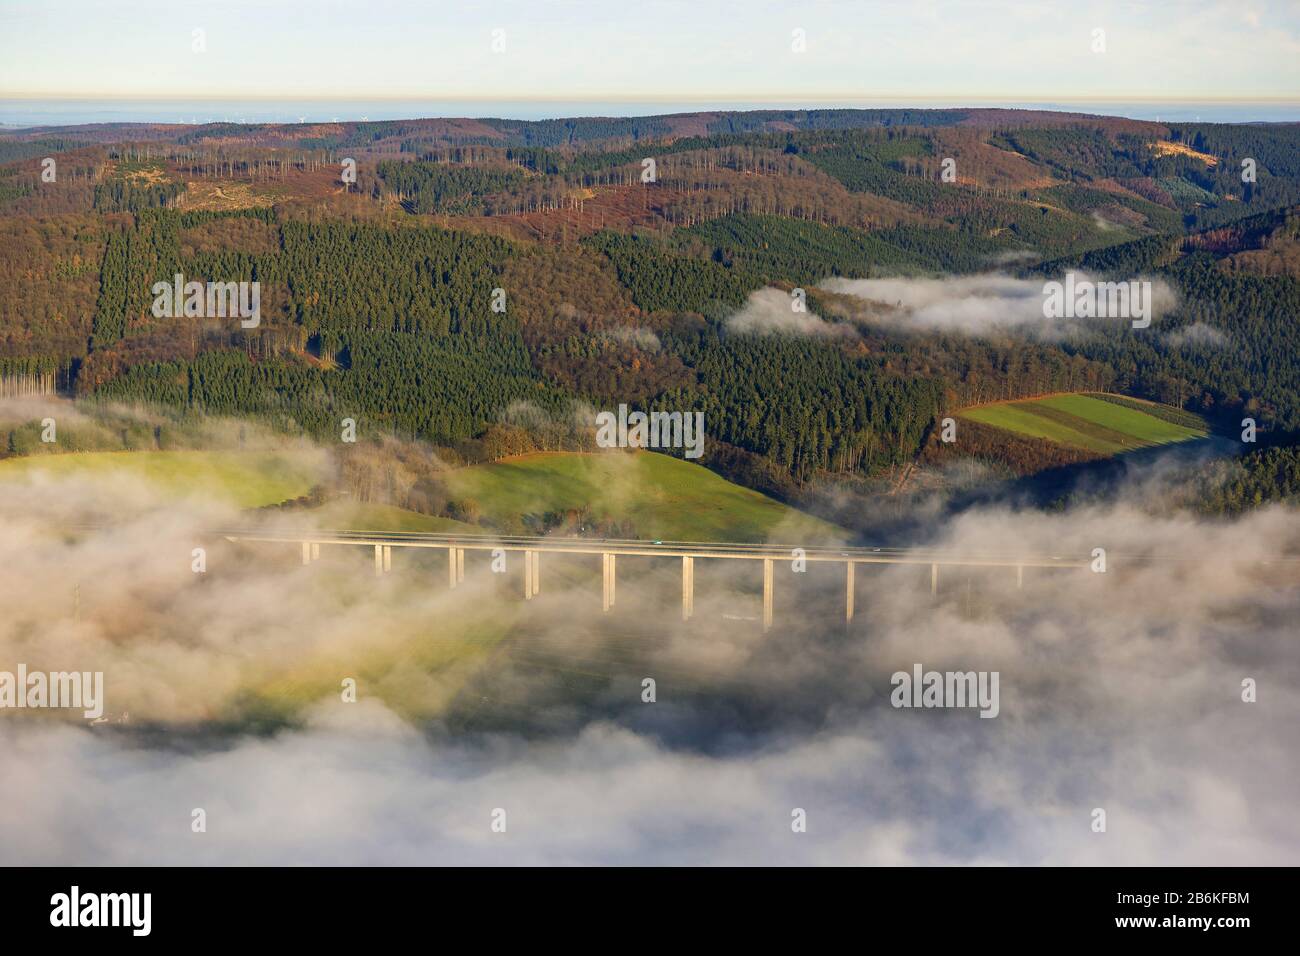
x=1198, y=335
x=769, y=311
x=974, y=305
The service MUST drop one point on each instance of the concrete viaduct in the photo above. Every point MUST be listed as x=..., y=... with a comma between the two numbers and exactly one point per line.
x=609, y=551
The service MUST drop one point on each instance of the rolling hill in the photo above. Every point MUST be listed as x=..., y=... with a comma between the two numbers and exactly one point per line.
x=664, y=498
x=652, y=496
x=379, y=297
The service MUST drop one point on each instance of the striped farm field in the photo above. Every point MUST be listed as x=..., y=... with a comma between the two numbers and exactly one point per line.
x=1106, y=425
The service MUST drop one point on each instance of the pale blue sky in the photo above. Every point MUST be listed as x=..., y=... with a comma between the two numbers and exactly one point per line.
x=605, y=50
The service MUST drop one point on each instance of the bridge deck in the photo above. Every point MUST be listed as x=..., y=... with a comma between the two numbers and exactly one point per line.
x=682, y=549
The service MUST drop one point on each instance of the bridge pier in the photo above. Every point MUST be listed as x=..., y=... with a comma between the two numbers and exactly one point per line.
x=532, y=547
x=607, y=580
x=848, y=592
x=604, y=580
x=767, y=594
x=532, y=577
x=688, y=587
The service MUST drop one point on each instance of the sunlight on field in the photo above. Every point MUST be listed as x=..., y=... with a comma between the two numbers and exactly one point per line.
x=416, y=670
x=1166, y=148
x=245, y=479
x=666, y=498
x=368, y=516
x=1084, y=421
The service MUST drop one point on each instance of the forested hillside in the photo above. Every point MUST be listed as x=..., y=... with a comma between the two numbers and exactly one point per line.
x=488, y=284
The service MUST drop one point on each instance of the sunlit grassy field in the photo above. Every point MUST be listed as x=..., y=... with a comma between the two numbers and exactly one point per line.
x=356, y=516
x=246, y=479
x=1085, y=421
x=666, y=498
x=416, y=667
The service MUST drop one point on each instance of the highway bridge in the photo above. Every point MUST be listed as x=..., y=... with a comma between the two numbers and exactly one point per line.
x=609, y=550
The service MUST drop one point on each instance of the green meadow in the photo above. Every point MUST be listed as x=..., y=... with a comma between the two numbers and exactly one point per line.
x=246, y=479
x=1090, y=422
x=666, y=498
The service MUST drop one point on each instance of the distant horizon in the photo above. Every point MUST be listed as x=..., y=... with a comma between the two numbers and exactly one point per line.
x=21, y=111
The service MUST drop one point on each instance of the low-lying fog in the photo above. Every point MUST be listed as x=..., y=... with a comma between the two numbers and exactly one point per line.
x=1119, y=691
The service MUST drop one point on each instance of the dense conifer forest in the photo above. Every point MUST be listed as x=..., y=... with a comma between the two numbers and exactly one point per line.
x=476, y=274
